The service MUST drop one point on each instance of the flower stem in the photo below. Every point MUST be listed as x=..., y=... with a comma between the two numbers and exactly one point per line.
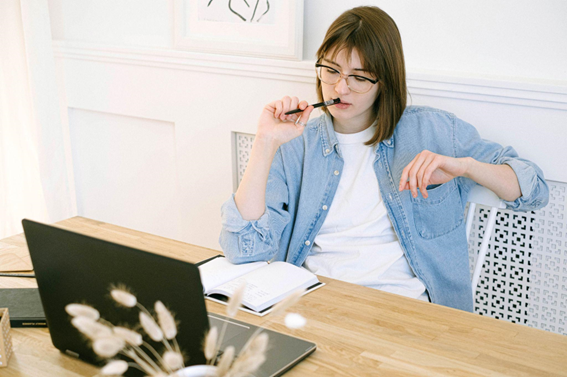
x=145, y=367
x=219, y=343
x=154, y=352
x=145, y=356
x=178, y=349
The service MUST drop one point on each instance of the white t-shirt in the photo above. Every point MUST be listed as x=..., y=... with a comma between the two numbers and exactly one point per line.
x=357, y=242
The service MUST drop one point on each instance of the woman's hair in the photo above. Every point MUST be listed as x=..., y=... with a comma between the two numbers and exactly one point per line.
x=376, y=38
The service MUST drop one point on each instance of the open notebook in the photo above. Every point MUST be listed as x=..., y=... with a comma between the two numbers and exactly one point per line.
x=266, y=283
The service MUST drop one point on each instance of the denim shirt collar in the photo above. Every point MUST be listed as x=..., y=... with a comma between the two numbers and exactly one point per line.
x=329, y=140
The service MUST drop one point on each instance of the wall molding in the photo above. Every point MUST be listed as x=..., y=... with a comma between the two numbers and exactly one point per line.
x=530, y=93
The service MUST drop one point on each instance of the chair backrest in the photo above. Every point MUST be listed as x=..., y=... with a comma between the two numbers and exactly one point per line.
x=482, y=196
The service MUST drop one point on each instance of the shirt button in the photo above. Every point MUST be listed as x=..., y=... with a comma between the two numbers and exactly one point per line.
x=325, y=207
x=327, y=151
x=336, y=173
x=307, y=242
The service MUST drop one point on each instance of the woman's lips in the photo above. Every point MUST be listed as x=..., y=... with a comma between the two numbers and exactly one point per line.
x=343, y=105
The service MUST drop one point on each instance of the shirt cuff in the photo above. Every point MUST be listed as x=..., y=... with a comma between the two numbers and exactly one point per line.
x=232, y=220
x=527, y=178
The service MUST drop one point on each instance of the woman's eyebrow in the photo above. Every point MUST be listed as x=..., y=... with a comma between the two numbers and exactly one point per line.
x=338, y=65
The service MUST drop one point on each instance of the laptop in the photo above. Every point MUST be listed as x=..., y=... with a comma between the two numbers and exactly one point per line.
x=75, y=268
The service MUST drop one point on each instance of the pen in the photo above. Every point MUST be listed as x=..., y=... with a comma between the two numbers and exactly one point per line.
x=17, y=275
x=317, y=105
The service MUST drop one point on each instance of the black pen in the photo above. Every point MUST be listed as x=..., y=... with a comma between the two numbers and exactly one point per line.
x=317, y=105
x=17, y=275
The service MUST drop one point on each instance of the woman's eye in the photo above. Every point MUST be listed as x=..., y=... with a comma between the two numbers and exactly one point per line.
x=332, y=72
x=359, y=78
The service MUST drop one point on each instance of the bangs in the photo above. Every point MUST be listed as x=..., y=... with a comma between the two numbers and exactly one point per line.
x=353, y=40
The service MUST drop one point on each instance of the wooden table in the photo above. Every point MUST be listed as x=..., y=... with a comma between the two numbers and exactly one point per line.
x=359, y=331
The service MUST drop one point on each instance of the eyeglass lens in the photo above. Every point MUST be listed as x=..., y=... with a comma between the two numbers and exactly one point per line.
x=355, y=83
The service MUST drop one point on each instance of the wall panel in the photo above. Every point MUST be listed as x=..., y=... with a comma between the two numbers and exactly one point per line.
x=125, y=171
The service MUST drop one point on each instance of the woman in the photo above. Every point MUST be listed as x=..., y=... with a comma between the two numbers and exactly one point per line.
x=372, y=192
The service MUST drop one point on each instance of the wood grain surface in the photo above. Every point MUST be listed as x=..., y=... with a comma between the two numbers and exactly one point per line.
x=359, y=331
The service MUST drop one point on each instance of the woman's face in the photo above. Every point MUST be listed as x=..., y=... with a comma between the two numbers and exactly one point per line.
x=355, y=111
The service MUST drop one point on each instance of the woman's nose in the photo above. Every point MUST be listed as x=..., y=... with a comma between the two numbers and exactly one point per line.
x=342, y=87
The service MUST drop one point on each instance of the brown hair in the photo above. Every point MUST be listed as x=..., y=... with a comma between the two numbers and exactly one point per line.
x=377, y=40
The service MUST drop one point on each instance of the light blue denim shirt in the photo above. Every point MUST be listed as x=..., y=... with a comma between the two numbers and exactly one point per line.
x=305, y=174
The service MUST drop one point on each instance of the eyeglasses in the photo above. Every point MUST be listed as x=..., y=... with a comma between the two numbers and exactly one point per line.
x=356, y=83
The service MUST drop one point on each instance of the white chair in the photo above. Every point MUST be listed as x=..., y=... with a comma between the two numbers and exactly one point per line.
x=482, y=196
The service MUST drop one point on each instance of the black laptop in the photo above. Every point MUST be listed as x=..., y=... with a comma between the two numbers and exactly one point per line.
x=75, y=268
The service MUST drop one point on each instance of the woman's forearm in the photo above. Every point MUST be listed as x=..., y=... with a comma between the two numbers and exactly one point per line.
x=501, y=179
x=250, y=198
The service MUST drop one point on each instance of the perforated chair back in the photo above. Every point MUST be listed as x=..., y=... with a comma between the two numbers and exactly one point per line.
x=482, y=196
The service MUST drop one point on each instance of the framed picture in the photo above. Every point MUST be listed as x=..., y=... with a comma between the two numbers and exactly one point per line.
x=261, y=28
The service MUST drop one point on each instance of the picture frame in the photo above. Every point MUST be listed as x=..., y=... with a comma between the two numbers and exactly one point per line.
x=258, y=28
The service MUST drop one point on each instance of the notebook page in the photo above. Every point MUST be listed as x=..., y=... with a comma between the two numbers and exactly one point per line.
x=270, y=284
x=218, y=271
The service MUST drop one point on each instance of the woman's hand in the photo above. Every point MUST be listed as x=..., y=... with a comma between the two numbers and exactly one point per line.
x=278, y=128
x=429, y=168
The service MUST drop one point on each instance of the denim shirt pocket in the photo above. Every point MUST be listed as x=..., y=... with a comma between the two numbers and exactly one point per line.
x=439, y=213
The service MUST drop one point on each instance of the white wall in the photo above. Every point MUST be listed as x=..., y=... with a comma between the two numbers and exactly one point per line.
x=151, y=126
x=521, y=39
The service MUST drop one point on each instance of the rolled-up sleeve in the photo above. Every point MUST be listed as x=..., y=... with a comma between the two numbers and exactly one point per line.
x=534, y=188
x=245, y=241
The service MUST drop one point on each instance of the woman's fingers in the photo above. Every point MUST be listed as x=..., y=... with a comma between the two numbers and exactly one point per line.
x=286, y=106
x=413, y=173
x=287, y=103
x=405, y=174
x=422, y=179
x=305, y=116
x=418, y=172
x=292, y=106
x=279, y=107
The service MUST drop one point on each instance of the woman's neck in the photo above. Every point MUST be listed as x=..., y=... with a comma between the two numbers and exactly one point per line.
x=352, y=126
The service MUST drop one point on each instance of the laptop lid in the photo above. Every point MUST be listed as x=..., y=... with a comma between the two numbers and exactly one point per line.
x=75, y=268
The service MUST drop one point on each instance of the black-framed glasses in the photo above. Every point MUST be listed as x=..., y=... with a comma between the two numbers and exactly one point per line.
x=356, y=83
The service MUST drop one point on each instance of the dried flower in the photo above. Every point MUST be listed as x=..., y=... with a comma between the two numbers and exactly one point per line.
x=289, y=301
x=225, y=361
x=210, y=343
x=250, y=365
x=294, y=321
x=123, y=297
x=114, y=367
x=129, y=336
x=246, y=364
x=173, y=360
x=76, y=309
x=259, y=344
x=236, y=299
x=107, y=347
x=252, y=357
x=166, y=320
x=90, y=328
x=151, y=327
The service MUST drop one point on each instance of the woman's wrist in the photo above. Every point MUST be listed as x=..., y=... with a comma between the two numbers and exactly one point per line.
x=500, y=178
x=266, y=143
x=470, y=164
